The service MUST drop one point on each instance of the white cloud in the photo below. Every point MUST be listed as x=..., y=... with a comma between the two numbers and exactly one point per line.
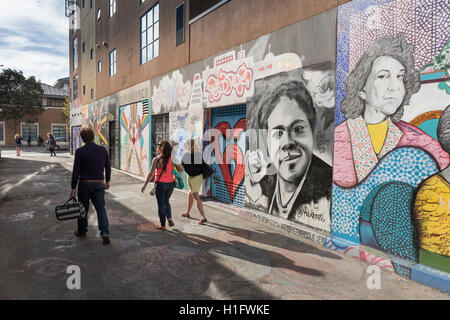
x=35, y=38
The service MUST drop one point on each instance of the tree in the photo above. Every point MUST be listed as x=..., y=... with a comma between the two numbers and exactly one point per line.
x=66, y=111
x=19, y=96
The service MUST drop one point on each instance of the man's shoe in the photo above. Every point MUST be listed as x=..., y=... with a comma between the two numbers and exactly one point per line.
x=78, y=234
x=106, y=239
x=171, y=224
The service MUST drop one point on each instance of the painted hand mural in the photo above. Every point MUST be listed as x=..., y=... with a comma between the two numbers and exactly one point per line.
x=134, y=139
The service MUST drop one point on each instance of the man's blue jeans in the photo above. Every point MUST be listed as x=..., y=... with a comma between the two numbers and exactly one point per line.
x=163, y=192
x=94, y=191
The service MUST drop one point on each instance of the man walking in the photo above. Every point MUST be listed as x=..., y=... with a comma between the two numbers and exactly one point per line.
x=91, y=161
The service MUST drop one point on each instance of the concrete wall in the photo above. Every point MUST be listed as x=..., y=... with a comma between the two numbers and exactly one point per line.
x=88, y=65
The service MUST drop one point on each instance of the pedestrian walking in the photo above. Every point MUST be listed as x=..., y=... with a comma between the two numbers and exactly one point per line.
x=29, y=141
x=164, y=181
x=40, y=141
x=193, y=164
x=51, y=144
x=19, y=139
x=91, y=162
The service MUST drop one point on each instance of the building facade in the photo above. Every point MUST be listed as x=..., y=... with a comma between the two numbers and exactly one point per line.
x=51, y=120
x=278, y=99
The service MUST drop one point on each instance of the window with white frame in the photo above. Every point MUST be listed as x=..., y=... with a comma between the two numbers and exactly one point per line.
x=99, y=66
x=112, y=7
x=150, y=34
x=2, y=132
x=59, y=131
x=29, y=130
x=112, y=62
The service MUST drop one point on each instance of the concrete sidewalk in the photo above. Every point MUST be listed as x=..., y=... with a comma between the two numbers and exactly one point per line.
x=231, y=257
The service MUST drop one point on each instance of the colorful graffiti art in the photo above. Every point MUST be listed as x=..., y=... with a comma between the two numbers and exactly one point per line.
x=386, y=135
x=76, y=139
x=232, y=153
x=230, y=80
x=229, y=127
x=134, y=139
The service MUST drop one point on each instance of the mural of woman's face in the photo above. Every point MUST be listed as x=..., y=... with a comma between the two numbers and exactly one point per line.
x=290, y=139
x=384, y=90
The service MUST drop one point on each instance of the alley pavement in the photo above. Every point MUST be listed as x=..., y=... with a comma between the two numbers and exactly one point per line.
x=230, y=257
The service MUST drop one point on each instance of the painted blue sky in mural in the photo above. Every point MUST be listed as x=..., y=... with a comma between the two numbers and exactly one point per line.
x=34, y=38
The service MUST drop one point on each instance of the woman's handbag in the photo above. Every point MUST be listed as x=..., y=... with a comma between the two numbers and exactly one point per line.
x=67, y=211
x=179, y=184
x=207, y=170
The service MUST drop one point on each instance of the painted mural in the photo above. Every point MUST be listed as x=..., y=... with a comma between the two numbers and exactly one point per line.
x=172, y=93
x=76, y=138
x=135, y=139
x=389, y=149
x=283, y=175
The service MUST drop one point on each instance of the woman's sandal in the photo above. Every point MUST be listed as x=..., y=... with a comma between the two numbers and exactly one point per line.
x=161, y=228
x=186, y=215
x=202, y=221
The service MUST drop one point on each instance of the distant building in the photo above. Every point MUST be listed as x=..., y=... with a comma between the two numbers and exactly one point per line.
x=50, y=120
x=63, y=83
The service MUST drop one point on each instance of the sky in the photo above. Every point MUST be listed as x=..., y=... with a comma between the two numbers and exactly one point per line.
x=34, y=38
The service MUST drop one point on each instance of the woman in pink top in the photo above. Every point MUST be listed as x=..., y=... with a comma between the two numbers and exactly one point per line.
x=165, y=182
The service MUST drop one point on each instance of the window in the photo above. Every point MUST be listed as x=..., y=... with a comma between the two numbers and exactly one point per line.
x=92, y=94
x=75, y=87
x=29, y=130
x=112, y=7
x=59, y=131
x=200, y=8
x=83, y=3
x=84, y=47
x=99, y=66
x=99, y=14
x=84, y=90
x=2, y=133
x=150, y=34
x=75, y=53
x=91, y=4
x=92, y=54
x=112, y=63
x=179, y=25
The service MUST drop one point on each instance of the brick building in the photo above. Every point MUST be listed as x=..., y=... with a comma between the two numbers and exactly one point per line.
x=35, y=126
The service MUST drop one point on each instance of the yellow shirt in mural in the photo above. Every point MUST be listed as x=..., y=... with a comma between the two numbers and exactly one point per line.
x=432, y=210
x=378, y=134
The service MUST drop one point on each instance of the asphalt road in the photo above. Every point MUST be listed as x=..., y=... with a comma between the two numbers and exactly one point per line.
x=231, y=257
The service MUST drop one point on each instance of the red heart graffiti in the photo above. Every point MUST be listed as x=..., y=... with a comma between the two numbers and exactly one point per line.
x=232, y=151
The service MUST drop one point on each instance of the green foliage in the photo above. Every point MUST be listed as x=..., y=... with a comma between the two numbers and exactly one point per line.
x=66, y=111
x=19, y=95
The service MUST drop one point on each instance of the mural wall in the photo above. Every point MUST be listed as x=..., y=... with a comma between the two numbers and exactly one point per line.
x=247, y=172
x=135, y=139
x=287, y=119
x=390, y=182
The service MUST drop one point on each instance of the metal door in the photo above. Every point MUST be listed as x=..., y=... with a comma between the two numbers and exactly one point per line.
x=160, y=130
x=229, y=126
